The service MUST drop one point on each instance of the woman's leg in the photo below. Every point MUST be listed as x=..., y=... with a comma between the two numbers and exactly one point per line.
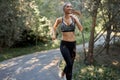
x=69, y=62
x=72, y=50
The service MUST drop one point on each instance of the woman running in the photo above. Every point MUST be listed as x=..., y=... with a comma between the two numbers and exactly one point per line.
x=68, y=43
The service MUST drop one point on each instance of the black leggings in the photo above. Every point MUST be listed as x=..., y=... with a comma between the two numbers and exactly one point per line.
x=68, y=50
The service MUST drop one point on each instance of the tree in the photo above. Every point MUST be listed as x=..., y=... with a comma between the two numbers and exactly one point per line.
x=108, y=12
x=11, y=24
x=111, y=12
x=21, y=22
x=92, y=6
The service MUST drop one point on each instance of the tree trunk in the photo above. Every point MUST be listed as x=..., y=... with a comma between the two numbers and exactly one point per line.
x=108, y=39
x=91, y=41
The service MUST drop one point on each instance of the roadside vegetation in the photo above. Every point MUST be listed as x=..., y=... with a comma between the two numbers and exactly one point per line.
x=25, y=26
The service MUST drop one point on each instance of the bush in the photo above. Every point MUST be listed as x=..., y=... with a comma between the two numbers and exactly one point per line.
x=11, y=24
x=20, y=21
x=97, y=73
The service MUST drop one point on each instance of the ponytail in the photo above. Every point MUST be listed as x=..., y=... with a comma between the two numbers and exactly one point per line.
x=76, y=12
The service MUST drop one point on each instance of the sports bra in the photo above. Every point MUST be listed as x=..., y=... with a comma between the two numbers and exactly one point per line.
x=67, y=28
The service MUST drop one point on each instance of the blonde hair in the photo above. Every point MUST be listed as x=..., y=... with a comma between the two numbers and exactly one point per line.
x=65, y=5
x=75, y=12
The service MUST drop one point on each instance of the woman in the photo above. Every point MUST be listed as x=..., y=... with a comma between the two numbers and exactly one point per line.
x=68, y=42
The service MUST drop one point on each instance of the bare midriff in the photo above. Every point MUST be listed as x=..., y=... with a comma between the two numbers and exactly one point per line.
x=68, y=36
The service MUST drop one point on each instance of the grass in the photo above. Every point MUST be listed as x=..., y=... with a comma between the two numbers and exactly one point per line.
x=92, y=72
x=8, y=53
x=95, y=72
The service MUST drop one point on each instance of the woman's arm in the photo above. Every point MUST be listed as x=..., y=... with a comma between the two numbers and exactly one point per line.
x=80, y=27
x=54, y=28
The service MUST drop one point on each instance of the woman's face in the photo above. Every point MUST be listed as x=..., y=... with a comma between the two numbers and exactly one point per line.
x=68, y=8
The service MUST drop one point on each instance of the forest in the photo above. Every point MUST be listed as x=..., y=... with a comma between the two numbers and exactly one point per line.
x=25, y=27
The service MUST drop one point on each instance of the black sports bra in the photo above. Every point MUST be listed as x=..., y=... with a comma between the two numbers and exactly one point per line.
x=67, y=28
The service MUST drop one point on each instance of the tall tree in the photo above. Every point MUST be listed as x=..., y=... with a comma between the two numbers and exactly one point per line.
x=93, y=8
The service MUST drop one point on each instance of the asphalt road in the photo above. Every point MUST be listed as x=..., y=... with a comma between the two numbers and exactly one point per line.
x=37, y=66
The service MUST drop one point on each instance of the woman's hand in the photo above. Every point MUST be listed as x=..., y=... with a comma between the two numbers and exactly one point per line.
x=53, y=37
x=73, y=16
x=58, y=20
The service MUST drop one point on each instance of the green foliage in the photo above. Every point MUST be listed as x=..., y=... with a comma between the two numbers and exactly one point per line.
x=8, y=53
x=21, y=21
x=96, y=73
x=50, y=8
x=109, y=12
x=26, y=21
x=10, y=23
x=38, y=25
